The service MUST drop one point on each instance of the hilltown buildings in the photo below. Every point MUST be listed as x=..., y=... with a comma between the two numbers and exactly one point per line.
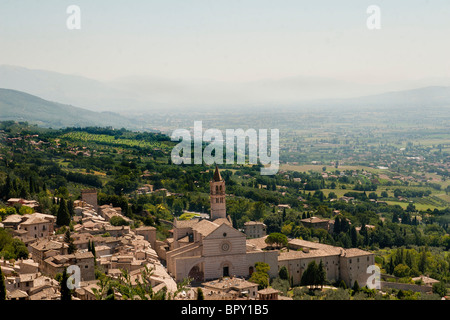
x=210, y=251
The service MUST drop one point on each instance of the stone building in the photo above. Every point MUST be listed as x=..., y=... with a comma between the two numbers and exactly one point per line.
x=84, y=260
x=89, y=196
x=349, y=265
x=45, y=248
x=317, y=223
x=149, y=234
x=230, y=288
x=210, y=249
x=255, y=229
x=38, y=226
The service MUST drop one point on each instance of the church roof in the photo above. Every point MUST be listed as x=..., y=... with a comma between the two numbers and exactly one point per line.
x=205, y=227
x=186, y=223
x=219, y=221
x=217, y=176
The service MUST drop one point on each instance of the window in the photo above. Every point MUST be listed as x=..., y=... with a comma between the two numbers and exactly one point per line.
x=350, y=260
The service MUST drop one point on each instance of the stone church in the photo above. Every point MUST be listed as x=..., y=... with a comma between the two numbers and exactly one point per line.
x=206, y=249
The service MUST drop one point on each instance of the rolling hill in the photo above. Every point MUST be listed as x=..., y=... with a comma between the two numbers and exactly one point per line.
x=21, y=106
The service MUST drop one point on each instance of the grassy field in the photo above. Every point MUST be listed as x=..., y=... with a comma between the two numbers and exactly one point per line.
x=418, y=205
x=318, y=168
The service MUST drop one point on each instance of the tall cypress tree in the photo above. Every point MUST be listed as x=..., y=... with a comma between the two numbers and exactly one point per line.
x=91, y=248
x=337, y=225
x=63, y=216
x=321, y=274
x=69, y=240
x=70, y=207
x=354, y=236
x=65, y=291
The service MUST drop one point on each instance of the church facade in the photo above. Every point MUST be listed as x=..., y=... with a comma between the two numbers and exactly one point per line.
x=206, y=249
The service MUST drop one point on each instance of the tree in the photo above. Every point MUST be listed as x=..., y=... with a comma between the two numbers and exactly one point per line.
x=283, y=273
x=11, y=248
x=64, y=289
x=118, y=221
x=23, y=210
x=200, y=295
x=337, y=225
x=70, y=207
x=440, y=289
x=423, y=261
x=354, y=236
x=355, y=287
x=310, y=275
x=142, y=289
x=401, y=271
x=69, y=240
x=2, y=286
x=277, y=238
x=321, y=275
x=261, y=276
x=258, y=210
x=91, y=248
x=110, y=294
x=63, y=216
x=411, y=207
x=281, y=285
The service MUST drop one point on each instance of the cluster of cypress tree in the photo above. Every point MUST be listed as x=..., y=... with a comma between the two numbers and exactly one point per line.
x=314, y=275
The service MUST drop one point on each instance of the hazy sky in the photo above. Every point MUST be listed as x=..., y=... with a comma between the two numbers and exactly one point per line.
x=229, y=40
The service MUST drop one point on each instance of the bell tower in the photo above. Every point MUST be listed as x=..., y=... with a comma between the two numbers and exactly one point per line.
x=217, y=196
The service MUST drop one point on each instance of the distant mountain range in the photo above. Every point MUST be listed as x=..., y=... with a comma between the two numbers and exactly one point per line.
x=21, y=106
x=434, y=96
x=135, y=95
x=68, y=89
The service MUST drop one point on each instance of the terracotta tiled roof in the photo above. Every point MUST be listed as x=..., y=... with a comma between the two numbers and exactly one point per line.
x=291, y=255
x=205, y=227
x=186, y=223
x=355, y=252
x=220, y=221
